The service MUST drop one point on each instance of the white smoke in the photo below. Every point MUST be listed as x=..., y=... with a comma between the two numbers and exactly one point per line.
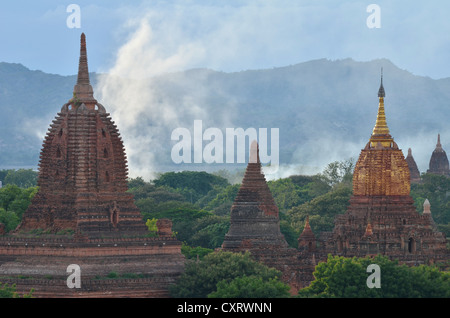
x=141, y=114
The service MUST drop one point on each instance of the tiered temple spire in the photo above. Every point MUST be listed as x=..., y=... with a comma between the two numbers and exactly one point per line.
x=83, y=91
x=380, y=132
x=439, y=163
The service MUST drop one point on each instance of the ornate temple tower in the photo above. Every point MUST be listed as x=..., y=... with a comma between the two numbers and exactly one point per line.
x=439, y=161
x=254, y=215
x=255, y=228
x=83, y=170
x=85, y=216
x=413, y=169
x=381, y=217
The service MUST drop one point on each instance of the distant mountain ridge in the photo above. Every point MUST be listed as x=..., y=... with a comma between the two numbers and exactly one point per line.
x=325, y=109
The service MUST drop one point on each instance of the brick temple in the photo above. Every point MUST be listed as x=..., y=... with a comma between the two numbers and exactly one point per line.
x=439, y=161
x=413, y=169
x=255, y=228
x=381, y=217
x=84, y=214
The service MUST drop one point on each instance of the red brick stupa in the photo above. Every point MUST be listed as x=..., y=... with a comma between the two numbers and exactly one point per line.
x=255, y=227
x=83, y=171
x=83, y=215
x=413, y=169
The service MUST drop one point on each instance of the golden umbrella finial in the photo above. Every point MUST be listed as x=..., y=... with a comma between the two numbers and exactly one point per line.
x=381, y=130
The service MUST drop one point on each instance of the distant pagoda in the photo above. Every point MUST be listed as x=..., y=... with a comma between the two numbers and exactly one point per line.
x=83, y=171
x=255, y=228
x=381, y=217
x=413, y=169
x=254, y=214
x=439, y=161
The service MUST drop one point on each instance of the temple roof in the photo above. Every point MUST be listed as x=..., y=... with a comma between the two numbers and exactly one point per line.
x=413, y=169
x=439, y=163
x=381, y=168
x=254, y=188
x=307, y=231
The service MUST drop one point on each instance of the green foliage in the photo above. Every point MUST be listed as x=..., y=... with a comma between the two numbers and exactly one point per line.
x=7, y=291
x=347, y=278
x=23, y=178
x=436, y=189
x=210, y=231
x=286, y=194
x=191, y=184
x=194, y=252
x=251, y=287
x=322, y=209
x=221, y=203
x=339, y=172
x=13, y=203
x=112, y=275
x=9, y=219
x=151, y=226
x=200, y=278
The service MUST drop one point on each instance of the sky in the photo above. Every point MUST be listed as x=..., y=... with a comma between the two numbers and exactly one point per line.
x=227, y=35
x=145, y=38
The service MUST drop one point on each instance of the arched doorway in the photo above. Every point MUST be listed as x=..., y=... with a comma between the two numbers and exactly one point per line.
x=411, y=245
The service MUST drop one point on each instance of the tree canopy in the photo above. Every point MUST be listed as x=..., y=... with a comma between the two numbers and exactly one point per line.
x=217, y=270
x=347, y=277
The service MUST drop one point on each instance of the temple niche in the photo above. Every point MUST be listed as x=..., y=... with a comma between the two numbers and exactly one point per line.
x=381, y=217
x=82, y=213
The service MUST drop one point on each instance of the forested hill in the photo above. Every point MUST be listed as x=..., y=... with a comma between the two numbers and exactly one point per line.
x=325, y=110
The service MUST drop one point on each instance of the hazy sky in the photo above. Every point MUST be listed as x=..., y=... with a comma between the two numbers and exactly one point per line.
x=227, y=35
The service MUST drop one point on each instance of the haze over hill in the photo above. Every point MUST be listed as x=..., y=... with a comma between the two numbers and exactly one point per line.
x=325, y=111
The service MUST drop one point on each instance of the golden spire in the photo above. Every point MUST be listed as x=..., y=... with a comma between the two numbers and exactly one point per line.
x=380, y=133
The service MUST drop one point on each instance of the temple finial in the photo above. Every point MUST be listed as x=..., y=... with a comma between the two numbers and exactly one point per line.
x=83, y=90
x=438, y=145
x=381, y=92
x=254, y=152
x=380, y=134
x=426, y=207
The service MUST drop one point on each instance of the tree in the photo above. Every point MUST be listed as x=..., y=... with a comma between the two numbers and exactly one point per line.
x=222, y=202
x=209, y=231
x=201, y=277
x=339, y=171
x=9, y=219
x=347, y=277
x=251, y=287
x=191, y=184
x=285, y=193
x=194, y=252
x=321, y=210
x=151, y=226
x=23, y=178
